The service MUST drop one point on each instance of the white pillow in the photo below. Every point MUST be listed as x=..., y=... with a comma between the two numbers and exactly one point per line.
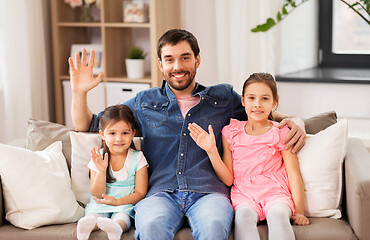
x=37, y=187
x=320, y=162
x=82, y=143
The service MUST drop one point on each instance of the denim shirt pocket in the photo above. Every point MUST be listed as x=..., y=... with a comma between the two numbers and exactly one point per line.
x=214, y=109
x=155, y=113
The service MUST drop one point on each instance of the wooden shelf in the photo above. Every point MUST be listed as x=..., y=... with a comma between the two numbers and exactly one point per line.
x=115, y=36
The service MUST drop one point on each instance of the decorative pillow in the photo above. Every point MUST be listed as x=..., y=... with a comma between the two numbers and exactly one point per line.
x=320, y=162
x=41, y=134
x=82, y=143
x=36, y=187
x=319, y=122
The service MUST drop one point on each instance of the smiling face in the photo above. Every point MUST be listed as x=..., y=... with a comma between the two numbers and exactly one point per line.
x=118, y=137
x=179, y=65
x=258, y=102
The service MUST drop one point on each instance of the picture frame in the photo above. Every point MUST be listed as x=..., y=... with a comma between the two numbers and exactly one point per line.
x=98, y=62
x=135, y=12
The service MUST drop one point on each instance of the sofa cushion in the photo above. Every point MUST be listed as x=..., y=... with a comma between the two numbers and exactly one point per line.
x=41, y=134
x=82, y=143
x=36, y=187
x=320, y=122
x=320, y=162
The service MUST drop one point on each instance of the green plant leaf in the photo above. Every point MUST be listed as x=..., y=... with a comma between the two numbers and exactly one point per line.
x=278, y=16
x=136, y=52
x=285, y=12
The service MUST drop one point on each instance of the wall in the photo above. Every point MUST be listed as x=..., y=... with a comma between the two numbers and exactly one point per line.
x=198, y=18
x=351, y=101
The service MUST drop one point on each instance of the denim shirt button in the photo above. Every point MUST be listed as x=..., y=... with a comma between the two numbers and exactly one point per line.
x=180, y=173
x=182, y=154
x=189, y=114
x=215, y=103
x=184, y=134
x=179, y=117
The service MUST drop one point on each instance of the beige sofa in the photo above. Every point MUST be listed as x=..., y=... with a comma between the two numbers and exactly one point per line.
x=355, y=204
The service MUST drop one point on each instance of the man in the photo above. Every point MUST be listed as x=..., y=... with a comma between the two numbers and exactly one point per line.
x=182, y=183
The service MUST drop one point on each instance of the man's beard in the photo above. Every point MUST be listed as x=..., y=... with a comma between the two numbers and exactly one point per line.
x=178, y=87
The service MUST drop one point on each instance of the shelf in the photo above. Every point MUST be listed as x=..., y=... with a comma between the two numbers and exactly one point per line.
x=115, y=36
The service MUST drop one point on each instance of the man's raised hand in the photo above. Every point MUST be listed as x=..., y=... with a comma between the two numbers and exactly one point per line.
x=82, y=78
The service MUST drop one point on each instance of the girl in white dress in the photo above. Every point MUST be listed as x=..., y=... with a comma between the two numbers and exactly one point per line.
x=119, y=176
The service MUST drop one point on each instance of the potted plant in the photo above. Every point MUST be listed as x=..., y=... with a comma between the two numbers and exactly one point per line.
x=135, y=62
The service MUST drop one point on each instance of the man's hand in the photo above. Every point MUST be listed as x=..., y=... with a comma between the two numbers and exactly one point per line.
x=82, y=78
x=296, y=137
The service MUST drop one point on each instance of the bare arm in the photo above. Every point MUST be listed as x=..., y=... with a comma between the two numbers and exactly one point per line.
x=296, y=186
x=141, y=188
x=82, y=81
x=207, y=142
x=98, y=180
x=296, y=137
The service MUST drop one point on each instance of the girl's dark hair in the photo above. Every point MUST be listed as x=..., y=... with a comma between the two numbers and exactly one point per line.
x=109, y=116
x=267, y=79
x=174, y=36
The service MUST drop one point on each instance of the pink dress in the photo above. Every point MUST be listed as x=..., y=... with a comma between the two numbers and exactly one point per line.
x=260, y=177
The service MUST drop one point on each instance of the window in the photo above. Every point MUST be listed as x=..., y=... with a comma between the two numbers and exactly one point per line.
x=344, y=36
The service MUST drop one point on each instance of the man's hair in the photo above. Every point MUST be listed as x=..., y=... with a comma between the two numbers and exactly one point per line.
x=174, y=36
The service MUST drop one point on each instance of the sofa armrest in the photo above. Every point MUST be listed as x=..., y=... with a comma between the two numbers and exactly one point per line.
x=357, y=180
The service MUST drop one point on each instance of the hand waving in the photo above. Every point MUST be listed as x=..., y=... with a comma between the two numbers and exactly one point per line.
x=82, y=78
x=101, y=164
x=204, y=140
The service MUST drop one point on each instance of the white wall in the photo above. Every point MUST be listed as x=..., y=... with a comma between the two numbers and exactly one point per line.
x=198, y=18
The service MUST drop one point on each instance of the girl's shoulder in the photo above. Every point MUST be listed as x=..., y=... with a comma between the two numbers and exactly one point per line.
x=234, y=128
x=235, y=124
x=139, y=157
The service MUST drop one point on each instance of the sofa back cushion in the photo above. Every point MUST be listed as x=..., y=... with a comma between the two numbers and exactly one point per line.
x=41, y=134
x=320, y=122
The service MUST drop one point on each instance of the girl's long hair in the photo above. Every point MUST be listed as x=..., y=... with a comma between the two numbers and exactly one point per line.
x=109, y=116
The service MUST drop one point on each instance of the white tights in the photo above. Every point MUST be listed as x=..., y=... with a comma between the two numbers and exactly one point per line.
x=278, y=221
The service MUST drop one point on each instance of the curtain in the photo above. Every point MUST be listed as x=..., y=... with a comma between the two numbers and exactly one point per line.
x=23, y=66
x=290, y=46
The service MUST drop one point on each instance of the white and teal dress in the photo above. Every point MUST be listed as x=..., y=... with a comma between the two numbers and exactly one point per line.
x=120, y=188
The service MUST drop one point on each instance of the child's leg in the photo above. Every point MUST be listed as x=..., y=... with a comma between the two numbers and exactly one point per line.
x=86, y=225
x=123, y=219
x=115, y=226
x=278, y=221
x=246, y=219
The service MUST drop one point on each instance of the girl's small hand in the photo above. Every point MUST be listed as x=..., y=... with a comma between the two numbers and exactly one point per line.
x=108, y=200
x=300, y=219
x=101, y=164
x=204, y=140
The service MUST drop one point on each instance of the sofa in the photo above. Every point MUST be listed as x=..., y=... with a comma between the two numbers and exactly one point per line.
x=354, y=204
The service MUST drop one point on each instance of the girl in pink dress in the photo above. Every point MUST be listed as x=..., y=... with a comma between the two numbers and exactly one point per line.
x=265, y=177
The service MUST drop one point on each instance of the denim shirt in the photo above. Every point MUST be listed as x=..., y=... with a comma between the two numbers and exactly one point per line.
x=175, y=161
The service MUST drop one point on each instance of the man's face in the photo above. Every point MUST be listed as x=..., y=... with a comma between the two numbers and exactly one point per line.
x=179, y=66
